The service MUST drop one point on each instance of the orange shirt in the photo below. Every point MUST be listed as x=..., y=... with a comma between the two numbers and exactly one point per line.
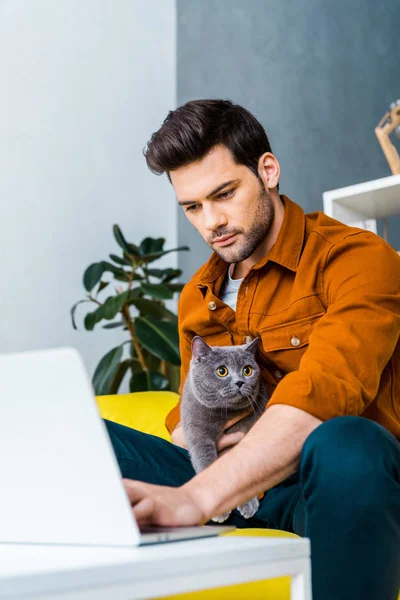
x=325, y=301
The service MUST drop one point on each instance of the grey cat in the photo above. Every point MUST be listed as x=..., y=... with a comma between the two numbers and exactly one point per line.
x=222, y=381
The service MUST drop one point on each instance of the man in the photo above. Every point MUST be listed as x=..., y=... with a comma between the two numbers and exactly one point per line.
x=325, y=300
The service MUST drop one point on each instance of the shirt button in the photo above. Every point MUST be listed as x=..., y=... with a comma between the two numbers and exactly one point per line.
x=278, y=374
x=248, y=339
x=295, y=341
x=212, y=305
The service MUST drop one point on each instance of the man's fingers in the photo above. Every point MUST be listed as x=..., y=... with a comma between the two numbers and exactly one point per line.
x=230, y=439
x=136, y=490
x=143, y=510
x=237, y=418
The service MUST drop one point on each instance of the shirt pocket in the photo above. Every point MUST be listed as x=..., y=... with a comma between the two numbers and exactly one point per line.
x=282, y=346
x=223, y=338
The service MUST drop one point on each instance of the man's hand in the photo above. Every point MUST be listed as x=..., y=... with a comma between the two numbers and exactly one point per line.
x=163, y=505
x=229, y=440
x=177, y=436
x=226, y=442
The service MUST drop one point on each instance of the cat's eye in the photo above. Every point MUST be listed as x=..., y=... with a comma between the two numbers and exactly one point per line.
x=247, y=370
x=222, y=371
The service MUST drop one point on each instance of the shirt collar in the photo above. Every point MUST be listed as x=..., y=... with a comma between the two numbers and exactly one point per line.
x=286, y=250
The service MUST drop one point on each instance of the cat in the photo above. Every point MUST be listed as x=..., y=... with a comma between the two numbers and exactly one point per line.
x=222, y=382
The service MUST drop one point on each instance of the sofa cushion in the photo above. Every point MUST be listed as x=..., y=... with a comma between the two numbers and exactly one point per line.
x=145, y=411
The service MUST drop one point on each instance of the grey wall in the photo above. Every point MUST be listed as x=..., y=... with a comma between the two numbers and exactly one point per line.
x=318, y=75
x=83, y=86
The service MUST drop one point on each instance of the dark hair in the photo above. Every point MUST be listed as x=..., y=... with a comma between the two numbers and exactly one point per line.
x=189, y=132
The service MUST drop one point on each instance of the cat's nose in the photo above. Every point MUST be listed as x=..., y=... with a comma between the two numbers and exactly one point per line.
x=239, y=384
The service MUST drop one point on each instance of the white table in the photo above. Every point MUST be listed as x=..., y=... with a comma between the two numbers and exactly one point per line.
x=93, y=573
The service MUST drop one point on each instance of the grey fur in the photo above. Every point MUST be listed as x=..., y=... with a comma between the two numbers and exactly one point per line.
x=208, y=401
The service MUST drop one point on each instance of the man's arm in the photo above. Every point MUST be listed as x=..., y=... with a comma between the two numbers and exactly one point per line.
x=177, y=436
x=268, y=454
x=226, y=441
x=351, y=344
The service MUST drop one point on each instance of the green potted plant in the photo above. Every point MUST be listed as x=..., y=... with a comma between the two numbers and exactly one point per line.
x=151, y=353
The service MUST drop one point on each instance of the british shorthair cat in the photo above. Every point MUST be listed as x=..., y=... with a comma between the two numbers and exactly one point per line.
x=222, y=382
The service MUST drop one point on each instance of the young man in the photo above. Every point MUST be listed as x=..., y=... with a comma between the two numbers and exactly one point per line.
x=325, y=300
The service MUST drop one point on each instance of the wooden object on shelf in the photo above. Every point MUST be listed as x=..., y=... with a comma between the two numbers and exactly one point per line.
x=390, y=122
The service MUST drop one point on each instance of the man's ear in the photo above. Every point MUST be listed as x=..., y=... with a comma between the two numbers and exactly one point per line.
x=199, y=348
x=252, y=346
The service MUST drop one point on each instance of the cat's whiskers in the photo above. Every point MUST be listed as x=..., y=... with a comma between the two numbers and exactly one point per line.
x=265, y=397
x=254, y=403
x=248, y=397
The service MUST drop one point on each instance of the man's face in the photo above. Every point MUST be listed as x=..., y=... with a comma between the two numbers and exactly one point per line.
x=242, y=209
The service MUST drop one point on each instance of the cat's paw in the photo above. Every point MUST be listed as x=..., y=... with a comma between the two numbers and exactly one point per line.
x=249, y=508
x=221, y=518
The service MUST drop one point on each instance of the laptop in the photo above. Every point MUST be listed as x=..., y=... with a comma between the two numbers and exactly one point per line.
x=61, y=483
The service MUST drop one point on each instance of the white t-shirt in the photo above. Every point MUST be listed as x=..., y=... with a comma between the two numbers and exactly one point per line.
x=229, y=289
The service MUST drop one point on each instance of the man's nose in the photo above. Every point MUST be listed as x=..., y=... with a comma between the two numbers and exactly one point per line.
x=213, y=219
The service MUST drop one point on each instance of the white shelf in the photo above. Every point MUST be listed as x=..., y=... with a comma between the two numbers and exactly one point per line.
x=369, y=200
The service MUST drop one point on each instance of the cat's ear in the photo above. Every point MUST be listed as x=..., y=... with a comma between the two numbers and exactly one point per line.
x=252, y=346
x=199, y=347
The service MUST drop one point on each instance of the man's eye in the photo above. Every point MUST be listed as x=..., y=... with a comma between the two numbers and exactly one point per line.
x=193, y=207
x=224, y=194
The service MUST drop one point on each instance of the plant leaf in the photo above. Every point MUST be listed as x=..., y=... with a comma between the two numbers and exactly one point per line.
x=118, y=272
x=174, y=287
x=119, y=260
x=108, y=310
x=148, y=380
x=102, y=285
x=93, y=275
x=90, y=320
x=115, y=270
x=121, y=241
x=174, y=374
x=151, y=245
x=106, y=370
x=155, y=272
x=133, y=250
x=153, y=363
x=159, y=337
x=121, y=278
x=144, y=259
x=130, y=249
x=113, y=325
x=151, y=308
x=73, y=309
x=157, y=290
x=114, y=304
x=164, y=274
x=136, y=293
x=119, y=375
x=172, y=273
x=155, y=255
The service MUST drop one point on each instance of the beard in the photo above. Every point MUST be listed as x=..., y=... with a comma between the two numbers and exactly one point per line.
x=262, y=223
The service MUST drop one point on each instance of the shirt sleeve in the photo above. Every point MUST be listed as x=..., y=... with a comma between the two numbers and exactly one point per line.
x=340, y=372
x=185, y=350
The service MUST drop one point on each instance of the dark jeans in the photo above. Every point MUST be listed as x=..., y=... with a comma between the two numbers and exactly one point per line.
x=345, y=498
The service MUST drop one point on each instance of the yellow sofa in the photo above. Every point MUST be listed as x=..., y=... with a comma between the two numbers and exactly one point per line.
x=146, y=411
